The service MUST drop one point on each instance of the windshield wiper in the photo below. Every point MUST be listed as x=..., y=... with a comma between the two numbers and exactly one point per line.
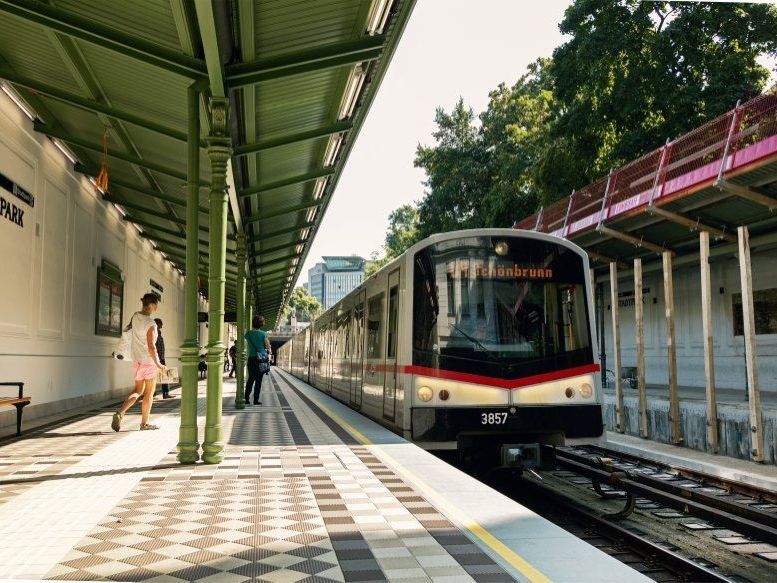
x=473, y=340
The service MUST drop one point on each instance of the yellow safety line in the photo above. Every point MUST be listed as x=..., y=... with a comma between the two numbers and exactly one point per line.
x=509, y=555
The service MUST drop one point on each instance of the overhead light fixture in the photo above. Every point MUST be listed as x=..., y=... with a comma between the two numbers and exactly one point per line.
x=379, y=11
x=311, y=214
x=318, y=191
x=305, y=233
x=61, y=147
x=16, y=98
x=332, y=148
x=352, y=90
x=299, y=248
x=122, y=212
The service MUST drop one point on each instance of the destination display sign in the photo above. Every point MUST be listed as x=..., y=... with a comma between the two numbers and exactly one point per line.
x=501, y=270
x=512, y=270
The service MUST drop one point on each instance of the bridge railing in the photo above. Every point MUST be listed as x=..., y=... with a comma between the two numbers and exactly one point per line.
x=738, y=138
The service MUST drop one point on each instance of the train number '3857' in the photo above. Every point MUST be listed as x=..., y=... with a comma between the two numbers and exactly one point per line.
x=493, y=418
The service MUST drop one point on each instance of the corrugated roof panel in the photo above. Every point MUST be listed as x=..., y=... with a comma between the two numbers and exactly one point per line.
x=284, y=25
x=151, y=20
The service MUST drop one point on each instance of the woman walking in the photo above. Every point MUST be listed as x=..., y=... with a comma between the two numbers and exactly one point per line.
x=146, y=360
x=259, y=352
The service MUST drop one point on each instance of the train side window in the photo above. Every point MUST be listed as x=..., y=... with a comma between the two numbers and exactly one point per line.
x=375, y=323
x=393, y=321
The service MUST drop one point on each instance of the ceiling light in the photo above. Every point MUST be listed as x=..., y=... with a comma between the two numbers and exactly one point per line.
x=65, y=151
x=352, y=90
x=332, y=148
x=305, y=233
x=379, y=11
x=14, y=96
x=311, y=214
x=122, y=212
x=318, y=191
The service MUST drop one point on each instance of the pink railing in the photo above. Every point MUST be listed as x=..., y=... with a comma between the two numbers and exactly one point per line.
x=742, y=136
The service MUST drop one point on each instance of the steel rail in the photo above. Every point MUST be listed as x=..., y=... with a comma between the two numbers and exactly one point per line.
x=686, y=501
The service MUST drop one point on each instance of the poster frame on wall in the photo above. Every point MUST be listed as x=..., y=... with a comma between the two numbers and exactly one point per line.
x=109, y=300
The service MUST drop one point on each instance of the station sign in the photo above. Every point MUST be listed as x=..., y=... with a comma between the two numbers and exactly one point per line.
x=9, y=210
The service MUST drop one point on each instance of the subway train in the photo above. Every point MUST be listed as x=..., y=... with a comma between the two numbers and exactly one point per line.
x=479, y=340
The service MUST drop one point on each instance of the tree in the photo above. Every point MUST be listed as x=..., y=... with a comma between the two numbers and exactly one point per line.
x=402, y=233
x=635, y=73
x=301, y=303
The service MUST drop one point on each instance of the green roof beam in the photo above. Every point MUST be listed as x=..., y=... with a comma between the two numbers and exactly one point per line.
x=286, y=140
x=148, y=225
x=272, y=234
x=280, y=247
x=292, y=180
x=149, y=192
x=176, y=245
x=158, y=213
x=133, y=46
x=306, y=61
x=206, y=19
x=286, y=211
x=88, y=104
x=51, y=132
x=263, y=264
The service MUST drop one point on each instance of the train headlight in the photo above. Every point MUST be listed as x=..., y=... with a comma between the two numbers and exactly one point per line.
x=501, y=248
x=444, y=395
x=586, y=391
x=425, y=394
x=569, y=392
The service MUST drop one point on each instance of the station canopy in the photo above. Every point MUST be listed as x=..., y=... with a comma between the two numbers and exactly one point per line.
x=108, y=81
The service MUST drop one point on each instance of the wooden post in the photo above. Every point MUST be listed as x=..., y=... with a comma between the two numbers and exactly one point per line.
x=751, y=356
x=616, y=347
x=709, y=363
x=640, y=321
x=674, y=397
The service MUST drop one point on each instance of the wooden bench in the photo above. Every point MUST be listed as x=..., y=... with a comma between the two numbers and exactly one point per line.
x=20, y=402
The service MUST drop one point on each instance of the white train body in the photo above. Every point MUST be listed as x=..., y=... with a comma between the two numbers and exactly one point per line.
x=478, y=334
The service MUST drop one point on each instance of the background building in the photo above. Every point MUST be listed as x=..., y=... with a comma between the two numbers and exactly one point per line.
x=335, y=277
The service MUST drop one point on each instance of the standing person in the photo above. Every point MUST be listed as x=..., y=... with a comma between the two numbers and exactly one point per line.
x=259, y=352
x=160, y=350
x=233, y=359
x=146, y=360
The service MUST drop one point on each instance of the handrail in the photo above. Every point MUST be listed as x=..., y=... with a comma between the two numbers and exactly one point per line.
x=719, y=135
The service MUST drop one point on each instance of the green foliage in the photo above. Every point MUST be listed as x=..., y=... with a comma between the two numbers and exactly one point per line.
x=632, y=74
x=303, y=304
x=636, y=73
x=402, y=233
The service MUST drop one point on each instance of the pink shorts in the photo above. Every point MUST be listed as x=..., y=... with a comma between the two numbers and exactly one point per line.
x=145, y=372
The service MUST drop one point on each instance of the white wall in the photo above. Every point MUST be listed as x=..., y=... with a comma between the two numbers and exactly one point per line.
x=728, y=349
x=48, y=278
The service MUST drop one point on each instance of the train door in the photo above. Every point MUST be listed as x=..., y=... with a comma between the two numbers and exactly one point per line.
x=390, y=386
x=331, y=334
x=357, y=351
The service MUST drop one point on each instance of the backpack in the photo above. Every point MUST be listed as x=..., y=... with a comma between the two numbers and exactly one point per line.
x=123, y=350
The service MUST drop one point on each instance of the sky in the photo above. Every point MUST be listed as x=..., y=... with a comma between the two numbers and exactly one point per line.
x=448, y=50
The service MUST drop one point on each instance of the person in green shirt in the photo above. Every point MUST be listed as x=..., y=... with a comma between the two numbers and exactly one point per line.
x=259, y=352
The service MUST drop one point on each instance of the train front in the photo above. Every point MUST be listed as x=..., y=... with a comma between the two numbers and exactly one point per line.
x=502, y=355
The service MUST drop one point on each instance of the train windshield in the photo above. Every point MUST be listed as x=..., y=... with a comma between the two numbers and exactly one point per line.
x=505, y=307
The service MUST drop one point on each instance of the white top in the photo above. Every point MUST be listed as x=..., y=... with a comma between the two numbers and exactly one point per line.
x=140, y=325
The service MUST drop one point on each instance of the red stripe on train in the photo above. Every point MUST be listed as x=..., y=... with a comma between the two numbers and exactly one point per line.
x=501, y=383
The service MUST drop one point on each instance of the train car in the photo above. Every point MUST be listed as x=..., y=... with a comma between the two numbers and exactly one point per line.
x=479, y=340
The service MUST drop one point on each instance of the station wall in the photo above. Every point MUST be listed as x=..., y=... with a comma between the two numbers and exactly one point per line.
x=728, y=345
x=48, y=280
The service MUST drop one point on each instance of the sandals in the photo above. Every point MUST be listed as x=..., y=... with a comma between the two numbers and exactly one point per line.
x=116, y=421
x=148, y=427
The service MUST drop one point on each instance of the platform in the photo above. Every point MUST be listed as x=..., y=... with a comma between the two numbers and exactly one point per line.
x=309, y=491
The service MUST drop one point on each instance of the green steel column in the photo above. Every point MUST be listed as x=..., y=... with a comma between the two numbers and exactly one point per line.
x=219, y=150
x=241, y=313
x=188, y=444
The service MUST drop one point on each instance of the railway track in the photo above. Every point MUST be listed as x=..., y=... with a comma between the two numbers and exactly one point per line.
x=671, y=524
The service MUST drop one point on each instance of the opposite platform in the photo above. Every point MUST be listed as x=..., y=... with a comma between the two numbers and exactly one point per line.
x=309, y=491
